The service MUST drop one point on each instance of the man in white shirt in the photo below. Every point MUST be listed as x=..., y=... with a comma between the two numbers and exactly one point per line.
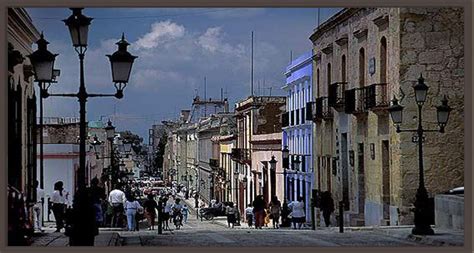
x=117, y=200
x=38, y=207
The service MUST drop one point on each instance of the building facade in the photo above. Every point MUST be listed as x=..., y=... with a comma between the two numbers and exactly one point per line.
x=364, y=57
x=298, y=129
x=255, y=115
x=21, y=34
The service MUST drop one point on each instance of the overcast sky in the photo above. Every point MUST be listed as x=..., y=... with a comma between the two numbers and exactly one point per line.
x=176, y=49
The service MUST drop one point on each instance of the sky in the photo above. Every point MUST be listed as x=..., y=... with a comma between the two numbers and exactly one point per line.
x=176, y=49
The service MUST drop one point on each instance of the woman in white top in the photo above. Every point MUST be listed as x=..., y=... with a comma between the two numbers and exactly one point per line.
x=59, y=199
x=131, y=208
x=297, y=212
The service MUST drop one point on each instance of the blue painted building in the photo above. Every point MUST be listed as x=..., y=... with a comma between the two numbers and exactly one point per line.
x=297, y=131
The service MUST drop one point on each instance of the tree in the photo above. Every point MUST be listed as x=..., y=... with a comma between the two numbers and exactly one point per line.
x=135, y=140
x=159, y=156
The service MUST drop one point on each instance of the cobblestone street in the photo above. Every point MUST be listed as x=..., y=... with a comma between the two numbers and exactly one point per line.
x=216, y=234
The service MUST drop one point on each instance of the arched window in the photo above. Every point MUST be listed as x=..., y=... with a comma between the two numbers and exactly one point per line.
x=329, y=77
x=343, y=68
x=383, y=60
x=361, y=67
x=318, y=89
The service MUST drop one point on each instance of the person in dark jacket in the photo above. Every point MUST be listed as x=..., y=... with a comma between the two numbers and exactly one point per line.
x=82, y=225
x=259, y=207
x=327, y=207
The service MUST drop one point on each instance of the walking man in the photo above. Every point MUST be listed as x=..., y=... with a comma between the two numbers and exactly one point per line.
x=38, y=208
x=185, y=213
x=117, y=200
x=249, y=215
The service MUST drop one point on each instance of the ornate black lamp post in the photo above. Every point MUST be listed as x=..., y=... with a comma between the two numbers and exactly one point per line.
x=285, y=157
x=43, y=61
x=273, y=163
x=121, y=62
x=422, y=208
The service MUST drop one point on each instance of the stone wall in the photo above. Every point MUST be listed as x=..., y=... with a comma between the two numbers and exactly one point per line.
x=431, y=43
x=449, y=211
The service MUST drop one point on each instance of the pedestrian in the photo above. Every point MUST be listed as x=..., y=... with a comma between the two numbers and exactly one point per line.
x=237, y=215
x=297, y=212
x=131, y=208
x=167, y=213
x=59, y=199
x=249, y=215
x=98, y=197
x=267, y=217
x=327, y=207
x=150, y=206
x=117, y=200
x=275, y=211
x=230, y=212
x=259, y=206
x=185, y=212
x=285, y=211
x=38, y=208
x=82, y=226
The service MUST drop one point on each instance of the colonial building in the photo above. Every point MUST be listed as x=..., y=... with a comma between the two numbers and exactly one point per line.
x=257, y=116
x=297, y=129
x=21, y=34
x=363, y=57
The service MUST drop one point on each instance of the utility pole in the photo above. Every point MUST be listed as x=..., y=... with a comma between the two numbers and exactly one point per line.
x=251, y=70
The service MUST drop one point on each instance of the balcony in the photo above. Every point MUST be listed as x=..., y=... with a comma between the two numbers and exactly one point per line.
x=377, y=98
x=356, y=101
x=285, y=119
x=241, y=155
x=323, y=111
x=336, y=95
x=213, y=163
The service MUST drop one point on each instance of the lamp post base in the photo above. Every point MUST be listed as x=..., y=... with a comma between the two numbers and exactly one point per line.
x=422, y=213
x=422, y=230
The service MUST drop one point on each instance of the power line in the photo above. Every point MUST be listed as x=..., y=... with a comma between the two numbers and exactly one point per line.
x=141, y=17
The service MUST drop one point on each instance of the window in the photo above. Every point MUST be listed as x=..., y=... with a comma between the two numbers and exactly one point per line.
x=317, y=84
x=343, y=68
x=361, y=67
x=383, y=60
x=329, y=76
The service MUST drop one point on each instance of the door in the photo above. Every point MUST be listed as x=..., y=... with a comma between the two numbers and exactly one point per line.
x=386, y=180
x=345, y=171
x=361, y=176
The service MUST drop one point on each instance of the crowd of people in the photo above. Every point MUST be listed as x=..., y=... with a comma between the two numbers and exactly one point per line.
x=129, y=203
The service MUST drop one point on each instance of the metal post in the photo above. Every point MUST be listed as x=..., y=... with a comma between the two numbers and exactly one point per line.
x=422, y=223
x=313, y=205
x=41, y=151
x=160, y=214
x=341, y=216
x=82, y=95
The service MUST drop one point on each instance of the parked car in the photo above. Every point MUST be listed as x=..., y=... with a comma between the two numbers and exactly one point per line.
x=457, y=190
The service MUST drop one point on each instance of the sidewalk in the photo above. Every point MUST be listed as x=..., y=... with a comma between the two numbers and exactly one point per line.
x=53, y=239
x=442, y=237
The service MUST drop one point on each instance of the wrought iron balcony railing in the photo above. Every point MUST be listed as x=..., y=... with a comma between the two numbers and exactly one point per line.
x=241, y=155
x=377, y=97
x=336, y=95
x=356, y=100
x=326, y=111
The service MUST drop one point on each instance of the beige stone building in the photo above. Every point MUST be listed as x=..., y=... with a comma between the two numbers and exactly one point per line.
x=364, y=57
x=258, y=118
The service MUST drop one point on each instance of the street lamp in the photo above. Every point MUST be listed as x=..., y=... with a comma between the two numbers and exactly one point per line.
x=273, y=163
x=285, y=153
x=422, y=208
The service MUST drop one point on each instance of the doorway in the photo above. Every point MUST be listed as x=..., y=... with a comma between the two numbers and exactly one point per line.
x=345, y=171
x=386, y=180
x=361, y=176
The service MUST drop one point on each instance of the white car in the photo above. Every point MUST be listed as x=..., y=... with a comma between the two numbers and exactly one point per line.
x=457, y=190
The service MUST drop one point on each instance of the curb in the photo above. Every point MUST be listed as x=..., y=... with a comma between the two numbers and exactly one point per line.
x=432, y=242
